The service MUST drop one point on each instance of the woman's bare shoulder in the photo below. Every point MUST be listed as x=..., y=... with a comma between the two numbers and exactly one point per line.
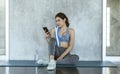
x=71, y=29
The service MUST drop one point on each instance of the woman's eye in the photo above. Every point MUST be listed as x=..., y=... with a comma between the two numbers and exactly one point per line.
x=58, y=20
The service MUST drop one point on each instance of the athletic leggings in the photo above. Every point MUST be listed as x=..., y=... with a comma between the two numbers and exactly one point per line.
x=57, y=51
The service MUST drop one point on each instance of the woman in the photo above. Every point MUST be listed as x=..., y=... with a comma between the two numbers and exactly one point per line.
x=61, y=42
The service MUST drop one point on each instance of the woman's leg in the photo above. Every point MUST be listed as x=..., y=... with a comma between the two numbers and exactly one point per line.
x=52, y=62
x=69, y=59
x=52, y=48
x=55, y=52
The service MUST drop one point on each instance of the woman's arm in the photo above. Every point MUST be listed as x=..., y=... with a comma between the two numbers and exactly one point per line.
x=48, y=36
x=71, y=44
x=52, y=33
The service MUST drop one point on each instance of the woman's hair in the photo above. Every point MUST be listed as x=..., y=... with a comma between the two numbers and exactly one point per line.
x=63, y=16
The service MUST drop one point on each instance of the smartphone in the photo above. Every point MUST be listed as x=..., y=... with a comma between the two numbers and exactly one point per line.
x=45, y=29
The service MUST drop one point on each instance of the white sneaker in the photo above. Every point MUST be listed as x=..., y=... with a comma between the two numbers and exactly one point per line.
x=51, y=65
x=42, y=62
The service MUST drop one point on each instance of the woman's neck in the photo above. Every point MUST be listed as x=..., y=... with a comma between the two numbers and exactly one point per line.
x=63, y=27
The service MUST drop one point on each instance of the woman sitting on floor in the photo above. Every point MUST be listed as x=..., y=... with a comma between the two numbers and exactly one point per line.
x=61, y=42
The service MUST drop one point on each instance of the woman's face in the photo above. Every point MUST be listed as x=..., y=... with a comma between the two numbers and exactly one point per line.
x=60, y=22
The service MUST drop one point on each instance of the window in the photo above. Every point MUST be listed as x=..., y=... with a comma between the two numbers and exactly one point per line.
x=2, y=27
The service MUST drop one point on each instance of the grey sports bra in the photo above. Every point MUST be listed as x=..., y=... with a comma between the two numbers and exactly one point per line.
x=65, y=37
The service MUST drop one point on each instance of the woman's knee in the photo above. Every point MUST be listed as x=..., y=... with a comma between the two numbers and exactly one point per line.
x=52, y=46
x=75, y=59
x=73, y=56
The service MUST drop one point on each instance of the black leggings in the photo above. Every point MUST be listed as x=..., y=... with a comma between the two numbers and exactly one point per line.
x=57, y=51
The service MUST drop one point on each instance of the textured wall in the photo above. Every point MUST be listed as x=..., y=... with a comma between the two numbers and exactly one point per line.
x=2, y=26
x=28, y=16
x=114, y=48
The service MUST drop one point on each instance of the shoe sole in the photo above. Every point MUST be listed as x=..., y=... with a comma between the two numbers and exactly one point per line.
x=50, y=69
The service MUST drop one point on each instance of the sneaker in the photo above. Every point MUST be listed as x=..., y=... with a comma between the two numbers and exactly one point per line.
x=42, y=62
x=51, y=65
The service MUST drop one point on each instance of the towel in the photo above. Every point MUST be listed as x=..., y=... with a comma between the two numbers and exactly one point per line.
x=56, y=36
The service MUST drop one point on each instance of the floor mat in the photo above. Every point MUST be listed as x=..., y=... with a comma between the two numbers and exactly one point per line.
x=30, y=63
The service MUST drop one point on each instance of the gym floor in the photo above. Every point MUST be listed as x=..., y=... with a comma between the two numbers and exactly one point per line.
x=43, y=70
x=30, y=67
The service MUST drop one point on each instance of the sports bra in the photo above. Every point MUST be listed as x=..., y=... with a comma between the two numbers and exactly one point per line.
x=65, y=37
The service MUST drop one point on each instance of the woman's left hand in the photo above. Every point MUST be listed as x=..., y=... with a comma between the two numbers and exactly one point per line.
x=59, y=58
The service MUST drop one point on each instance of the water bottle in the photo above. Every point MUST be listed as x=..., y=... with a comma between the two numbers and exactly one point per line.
x=36, y=56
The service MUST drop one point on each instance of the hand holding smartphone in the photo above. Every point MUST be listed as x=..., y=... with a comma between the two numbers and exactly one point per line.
x=46, y=30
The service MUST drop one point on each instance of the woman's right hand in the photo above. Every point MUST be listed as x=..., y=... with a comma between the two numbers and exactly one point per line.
x=47, y=35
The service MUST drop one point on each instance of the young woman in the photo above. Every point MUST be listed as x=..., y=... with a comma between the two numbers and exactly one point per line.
x=61, y=42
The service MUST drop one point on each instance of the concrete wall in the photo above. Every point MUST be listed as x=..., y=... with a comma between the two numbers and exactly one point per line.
x=114, y=49
x=2, y=27
x=28, y=16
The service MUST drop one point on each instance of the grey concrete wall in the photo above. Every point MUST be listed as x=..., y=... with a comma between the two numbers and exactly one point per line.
x=114, y=49
x=28, y=16
x=2, y=27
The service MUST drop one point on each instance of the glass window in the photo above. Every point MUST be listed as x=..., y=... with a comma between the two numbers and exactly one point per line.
x=2, y=27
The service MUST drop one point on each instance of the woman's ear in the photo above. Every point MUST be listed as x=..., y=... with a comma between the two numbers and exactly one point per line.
x=64, y=19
